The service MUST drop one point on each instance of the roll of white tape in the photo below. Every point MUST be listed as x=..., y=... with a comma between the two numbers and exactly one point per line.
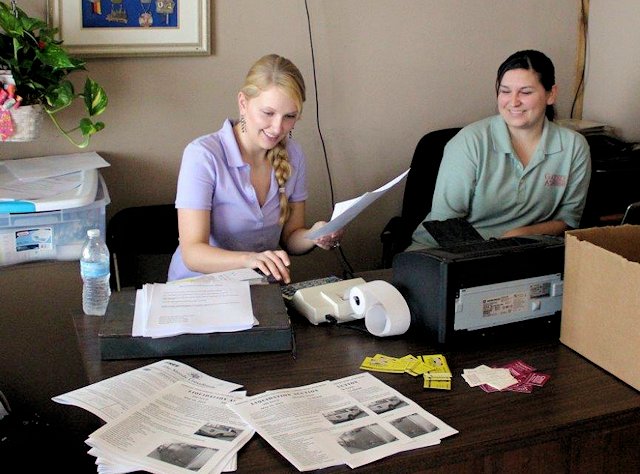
x=359, y=299
x=384, y=309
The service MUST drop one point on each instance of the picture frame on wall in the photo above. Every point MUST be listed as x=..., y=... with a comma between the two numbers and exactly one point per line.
x=121, y=28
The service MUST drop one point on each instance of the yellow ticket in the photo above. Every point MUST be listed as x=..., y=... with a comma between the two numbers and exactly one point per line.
x=437, y=366
x=438, y=384
x=417, y=367
x=382, y=363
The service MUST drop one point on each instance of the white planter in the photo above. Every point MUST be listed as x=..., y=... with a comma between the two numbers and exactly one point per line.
x=27, y=122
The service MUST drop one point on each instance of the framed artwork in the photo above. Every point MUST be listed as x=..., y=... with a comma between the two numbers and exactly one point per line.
x=112, y=28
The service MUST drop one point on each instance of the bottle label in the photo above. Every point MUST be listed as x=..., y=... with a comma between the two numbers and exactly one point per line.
x=94, y=269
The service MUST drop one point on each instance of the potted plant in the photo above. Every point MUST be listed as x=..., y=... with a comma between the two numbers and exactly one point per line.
x=40, y=66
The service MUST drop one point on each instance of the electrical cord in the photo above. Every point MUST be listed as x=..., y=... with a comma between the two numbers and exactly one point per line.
x=315, y=88
x=346, y=267
x=356, y=325
x=584, y=20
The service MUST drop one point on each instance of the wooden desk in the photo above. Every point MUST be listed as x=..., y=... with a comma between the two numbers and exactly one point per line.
x=582, y=421
x=39, y=359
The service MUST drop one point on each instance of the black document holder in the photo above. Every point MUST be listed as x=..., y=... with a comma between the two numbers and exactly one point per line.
x=273, y=333
x=452, y=231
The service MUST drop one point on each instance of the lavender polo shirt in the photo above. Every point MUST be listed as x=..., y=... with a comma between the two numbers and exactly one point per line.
x=214, y=177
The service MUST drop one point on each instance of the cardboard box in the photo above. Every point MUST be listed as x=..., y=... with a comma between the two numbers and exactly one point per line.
x=601, y=303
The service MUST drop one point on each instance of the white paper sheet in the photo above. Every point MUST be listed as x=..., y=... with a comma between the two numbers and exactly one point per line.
x=345, y=211
x=31, y=169
x=193, y=308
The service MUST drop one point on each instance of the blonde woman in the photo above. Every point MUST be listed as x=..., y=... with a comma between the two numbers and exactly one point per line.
x=241, y=191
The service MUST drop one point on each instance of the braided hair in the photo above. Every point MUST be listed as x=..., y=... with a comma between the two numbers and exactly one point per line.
x=279, y=71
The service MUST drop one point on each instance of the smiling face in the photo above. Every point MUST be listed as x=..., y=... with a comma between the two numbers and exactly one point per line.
x=269, y=117
x=522, y=99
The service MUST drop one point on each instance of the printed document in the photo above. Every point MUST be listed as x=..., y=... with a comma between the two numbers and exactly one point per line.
x=240, y=274
x=192, y=307
x=183, y=428
x=345, y=211
x=354, y=421
x=112, y=397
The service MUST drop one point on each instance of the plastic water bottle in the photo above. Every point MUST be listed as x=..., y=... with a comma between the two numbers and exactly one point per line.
x=94, y=269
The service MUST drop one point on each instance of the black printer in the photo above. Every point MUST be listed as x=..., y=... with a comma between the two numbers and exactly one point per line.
x=504, y=285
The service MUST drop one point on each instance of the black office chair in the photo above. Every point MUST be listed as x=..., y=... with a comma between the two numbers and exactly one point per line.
x=141, y=241
x=418, y=193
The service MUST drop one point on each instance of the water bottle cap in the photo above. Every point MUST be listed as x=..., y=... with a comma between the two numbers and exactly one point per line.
x=93, y=232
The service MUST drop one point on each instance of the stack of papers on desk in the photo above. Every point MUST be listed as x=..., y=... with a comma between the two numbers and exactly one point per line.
x=192, y=307
x=164, y=417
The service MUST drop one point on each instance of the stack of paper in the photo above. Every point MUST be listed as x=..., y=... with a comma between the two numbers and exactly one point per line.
x=586, y=127
x=514, y=376
x=171, y=418
x=50, y=182
x=165, y=417
x=192, y=307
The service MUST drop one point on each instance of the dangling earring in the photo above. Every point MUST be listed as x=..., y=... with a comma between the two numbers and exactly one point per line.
x=290, y=134
x=243, y=124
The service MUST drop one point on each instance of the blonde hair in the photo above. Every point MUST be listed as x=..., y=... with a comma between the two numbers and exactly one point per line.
x=268, y=71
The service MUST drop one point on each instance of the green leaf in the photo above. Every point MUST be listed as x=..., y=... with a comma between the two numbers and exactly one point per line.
x=88, y=128
x=61, y=96
x=95, y=98
x=55, y=56
x=8, y=22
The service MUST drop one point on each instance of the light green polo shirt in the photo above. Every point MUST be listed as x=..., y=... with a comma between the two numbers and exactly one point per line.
x=482, y=180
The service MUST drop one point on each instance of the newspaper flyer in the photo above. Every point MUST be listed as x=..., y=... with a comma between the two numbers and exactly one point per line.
x=183, y=428
x=111, y=397
x=355, y=420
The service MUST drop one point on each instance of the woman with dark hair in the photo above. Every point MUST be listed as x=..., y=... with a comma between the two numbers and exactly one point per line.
x=242, y=190
x=516, y=173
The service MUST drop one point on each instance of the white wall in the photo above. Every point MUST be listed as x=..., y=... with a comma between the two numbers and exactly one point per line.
x=388, y=71
x=612, y=87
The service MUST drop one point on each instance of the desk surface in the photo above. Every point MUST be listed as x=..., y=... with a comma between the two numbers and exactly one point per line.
x=582, y=419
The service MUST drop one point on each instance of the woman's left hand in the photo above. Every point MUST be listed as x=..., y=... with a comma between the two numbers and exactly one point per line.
x=328, y=241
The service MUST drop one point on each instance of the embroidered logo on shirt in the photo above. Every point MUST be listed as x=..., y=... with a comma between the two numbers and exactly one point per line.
x=554, y=180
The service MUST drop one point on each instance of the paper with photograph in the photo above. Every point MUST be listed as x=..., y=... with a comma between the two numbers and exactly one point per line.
x=183, y=428
x=355, y=420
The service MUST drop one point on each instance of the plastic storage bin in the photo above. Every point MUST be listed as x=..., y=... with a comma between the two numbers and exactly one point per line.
x=51, y=235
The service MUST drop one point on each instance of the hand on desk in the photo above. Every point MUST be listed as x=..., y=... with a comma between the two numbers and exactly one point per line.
x=273, y=263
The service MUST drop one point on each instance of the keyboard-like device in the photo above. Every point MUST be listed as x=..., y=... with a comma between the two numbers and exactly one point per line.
x=289, y=290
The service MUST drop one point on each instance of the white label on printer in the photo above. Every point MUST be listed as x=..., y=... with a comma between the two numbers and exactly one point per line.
x=502, y=303
x=539, y=290
x=506, y=304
